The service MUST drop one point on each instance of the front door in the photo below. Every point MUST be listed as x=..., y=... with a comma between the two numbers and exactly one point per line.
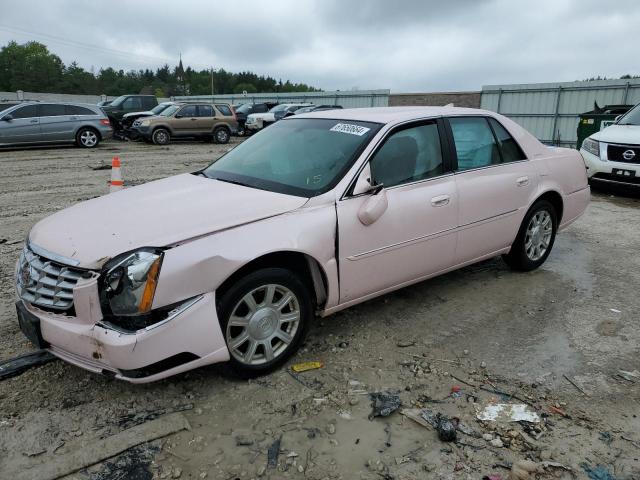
x=495, y=185
x=23, y=127
x=185, y=120
x=415, y=236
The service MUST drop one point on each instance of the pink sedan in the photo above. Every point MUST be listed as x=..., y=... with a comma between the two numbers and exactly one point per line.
x=312, y=215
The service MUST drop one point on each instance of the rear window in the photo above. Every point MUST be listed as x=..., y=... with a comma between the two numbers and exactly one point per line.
x=224, y=110
x=76, y=110
x=205, y=111
x=51, y=110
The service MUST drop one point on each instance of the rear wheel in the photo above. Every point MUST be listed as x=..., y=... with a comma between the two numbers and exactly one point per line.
x=161, y=136
x=264, y=317
x=535, y=237
x=221, y=135
x=87, y=138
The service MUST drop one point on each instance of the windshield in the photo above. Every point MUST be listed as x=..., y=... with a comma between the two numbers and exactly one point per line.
x=170, y=110
x=278, y=108
x=303, y=157
x=117, y=101
x=632, y=117
x=4, y=106
x=245, y=108
x=159, y=108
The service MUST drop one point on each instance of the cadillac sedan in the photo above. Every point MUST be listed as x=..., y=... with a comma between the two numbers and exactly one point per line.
x=317, y=213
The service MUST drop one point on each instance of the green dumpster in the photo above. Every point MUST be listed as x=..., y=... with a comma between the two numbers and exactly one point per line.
x=598, y=119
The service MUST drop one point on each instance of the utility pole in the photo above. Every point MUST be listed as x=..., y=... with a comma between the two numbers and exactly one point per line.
x=212, y=82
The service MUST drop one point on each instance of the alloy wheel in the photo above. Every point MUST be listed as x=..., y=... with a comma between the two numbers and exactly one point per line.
x=88, y=138
x=538, y=235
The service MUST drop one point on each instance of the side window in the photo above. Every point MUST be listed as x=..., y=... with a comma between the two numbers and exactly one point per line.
x=188, y=111
x=511, y=151
x=51, y=110
x=76, y=110
x=224, y=109
x=205, y=111
x=132, y=102
x=475, y=145
x=28, y=111
x=149, y=102
x=408, y=155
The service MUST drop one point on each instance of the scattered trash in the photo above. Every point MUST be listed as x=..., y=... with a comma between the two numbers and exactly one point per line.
x=456, y=391
x=305, y=366
x=406, y=343
x=576, y=385
x=560, y=412
x=597, y=473
x=243, y=441
x=633, y=376
x=506, y=412
x=383, y=404
x=606, y=437
x=101, y=166
x=445, y=426
x=17, y=365
x=615, y=310
x=273, y=452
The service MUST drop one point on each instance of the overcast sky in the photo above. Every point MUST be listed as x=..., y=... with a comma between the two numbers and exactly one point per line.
x=404, y=45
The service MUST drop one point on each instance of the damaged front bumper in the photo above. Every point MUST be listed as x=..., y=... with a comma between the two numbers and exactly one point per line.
x=189, y=337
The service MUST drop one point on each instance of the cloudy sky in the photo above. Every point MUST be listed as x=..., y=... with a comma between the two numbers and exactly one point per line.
x=404, y=45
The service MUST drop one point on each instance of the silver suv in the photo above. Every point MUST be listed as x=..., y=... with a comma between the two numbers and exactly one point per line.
x=40, y=123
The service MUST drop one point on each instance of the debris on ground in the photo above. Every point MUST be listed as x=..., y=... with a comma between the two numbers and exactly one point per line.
x=273, y=453
x=598, y=472
x=101, y=166
x=406, y=343
x=383, y=404
x=101, y=450
x=304, y=366
x=506, y=412
x=632, y=377
x=17, y=365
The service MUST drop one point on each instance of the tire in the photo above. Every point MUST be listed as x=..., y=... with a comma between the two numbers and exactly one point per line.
x=161, y=136
x=241, y=131
x=248, y=334
x=528, y=251
x=221, y=135
x=87, y=138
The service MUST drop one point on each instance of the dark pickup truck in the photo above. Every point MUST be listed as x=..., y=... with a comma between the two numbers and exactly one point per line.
x=126, y=104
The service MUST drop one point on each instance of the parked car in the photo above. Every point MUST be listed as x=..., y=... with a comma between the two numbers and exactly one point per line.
x=612, y=155
x=180, y=120
x=312, y=108
x=45, y=123
x=104, y=103
x=126, y=104
x=246, y=109
x=258, y=121
x=129, y=118
x=319, y=212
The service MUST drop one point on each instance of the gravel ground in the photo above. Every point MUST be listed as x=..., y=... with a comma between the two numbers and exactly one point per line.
x=489, y=331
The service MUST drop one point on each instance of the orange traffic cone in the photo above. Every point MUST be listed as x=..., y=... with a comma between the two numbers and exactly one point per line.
x=116, y=182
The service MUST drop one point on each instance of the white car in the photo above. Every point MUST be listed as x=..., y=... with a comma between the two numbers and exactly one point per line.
x=257, y=121
x=612, y=155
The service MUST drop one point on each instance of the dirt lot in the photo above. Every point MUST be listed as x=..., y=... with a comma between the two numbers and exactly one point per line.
x=556, y=338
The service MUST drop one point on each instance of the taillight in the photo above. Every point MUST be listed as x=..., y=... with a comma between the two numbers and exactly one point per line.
x=105, y=121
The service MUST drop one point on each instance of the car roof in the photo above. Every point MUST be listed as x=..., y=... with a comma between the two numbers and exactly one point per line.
x=392, y=114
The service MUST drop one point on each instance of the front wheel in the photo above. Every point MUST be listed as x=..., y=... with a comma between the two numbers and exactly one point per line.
x=87, y=138
x=264, y=317
x=161, y=136
x=535, y=237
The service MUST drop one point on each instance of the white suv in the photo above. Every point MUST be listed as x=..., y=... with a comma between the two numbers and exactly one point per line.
x=612, y=155
x=257, y=121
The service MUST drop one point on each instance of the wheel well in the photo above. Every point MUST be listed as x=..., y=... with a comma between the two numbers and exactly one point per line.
x=164, y=127
x=308, y=269
x=555, y=199
x=226, y=127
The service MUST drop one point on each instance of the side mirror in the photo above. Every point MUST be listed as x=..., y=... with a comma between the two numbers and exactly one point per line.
x=177, y=115
x=374, y=206
x=7, y=118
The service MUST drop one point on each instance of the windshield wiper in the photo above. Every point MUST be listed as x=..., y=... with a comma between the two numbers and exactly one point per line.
x=235, y=182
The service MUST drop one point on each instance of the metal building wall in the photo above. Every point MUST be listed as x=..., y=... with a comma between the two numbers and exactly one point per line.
x=347, y=99
x=550, y=111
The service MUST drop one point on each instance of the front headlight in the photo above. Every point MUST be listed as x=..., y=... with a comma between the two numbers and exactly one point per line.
x=592, y=146
x=145, y=123
x=129, y=283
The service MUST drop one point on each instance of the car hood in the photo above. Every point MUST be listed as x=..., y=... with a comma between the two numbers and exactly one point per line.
x=626, y=134
x=131, y=114
x=155, y=214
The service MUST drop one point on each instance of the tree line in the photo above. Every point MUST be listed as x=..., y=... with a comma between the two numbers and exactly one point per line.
x=31, y=67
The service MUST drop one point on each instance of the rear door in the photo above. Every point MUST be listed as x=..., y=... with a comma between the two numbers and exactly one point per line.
x=185, y=121
x=206, y=118
x=24, y=127
x=495, y=184
x=55, y=124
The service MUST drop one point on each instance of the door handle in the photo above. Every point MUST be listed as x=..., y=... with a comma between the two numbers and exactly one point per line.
x=440, y=200
x=522, y=181
x=34, y=121
x=193, y=119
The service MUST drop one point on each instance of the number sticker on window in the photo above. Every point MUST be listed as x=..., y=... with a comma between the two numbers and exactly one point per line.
x=349, y=128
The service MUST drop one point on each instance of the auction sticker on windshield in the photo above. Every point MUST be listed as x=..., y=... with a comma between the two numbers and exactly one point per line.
x=349, y=128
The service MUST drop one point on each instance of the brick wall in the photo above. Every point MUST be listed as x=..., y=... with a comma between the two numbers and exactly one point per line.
x=437, y=99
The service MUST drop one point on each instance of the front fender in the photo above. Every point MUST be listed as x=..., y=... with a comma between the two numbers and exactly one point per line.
x=202, y=265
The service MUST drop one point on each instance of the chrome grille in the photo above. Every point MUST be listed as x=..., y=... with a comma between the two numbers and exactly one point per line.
x=46, y=283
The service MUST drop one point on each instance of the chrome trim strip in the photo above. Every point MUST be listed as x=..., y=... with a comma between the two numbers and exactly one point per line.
x=52, y=256
x=606, y=180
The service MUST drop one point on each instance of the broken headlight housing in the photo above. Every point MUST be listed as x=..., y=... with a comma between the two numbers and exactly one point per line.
x=129, y=282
